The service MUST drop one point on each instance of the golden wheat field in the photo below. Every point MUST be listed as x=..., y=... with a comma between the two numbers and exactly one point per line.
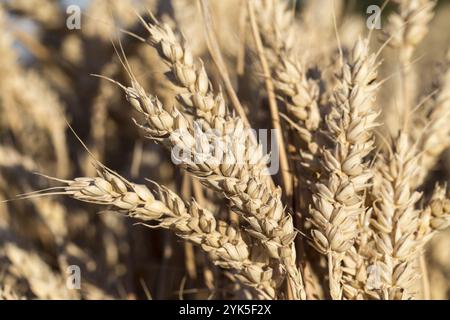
x=238, y=149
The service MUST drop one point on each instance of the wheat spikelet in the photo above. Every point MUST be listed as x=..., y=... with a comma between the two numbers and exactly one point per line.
x=277, y=26
x=440, y=211
x=435, y=216
x=301, y=95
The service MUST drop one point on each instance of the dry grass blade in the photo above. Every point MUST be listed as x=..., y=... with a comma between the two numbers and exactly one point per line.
x=274, y=112
x=291, y=84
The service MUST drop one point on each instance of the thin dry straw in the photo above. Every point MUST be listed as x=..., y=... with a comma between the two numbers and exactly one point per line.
x=290, y=82
x=218, y=60
x=284, y=163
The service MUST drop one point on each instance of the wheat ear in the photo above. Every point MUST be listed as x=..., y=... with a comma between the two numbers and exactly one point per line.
x=395, y=223
x=406, y=29
x=338, y=202
x=294, y=91
x=236, y=171
x=299, y=93
x=197, y=94
x=409, y=25
x=435, y=136
x=165, y=209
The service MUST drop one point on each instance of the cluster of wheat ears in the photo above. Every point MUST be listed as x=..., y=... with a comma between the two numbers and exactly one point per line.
x=349, y=213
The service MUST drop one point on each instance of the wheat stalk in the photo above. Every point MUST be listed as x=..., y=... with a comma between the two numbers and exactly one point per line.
x=274, y=112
